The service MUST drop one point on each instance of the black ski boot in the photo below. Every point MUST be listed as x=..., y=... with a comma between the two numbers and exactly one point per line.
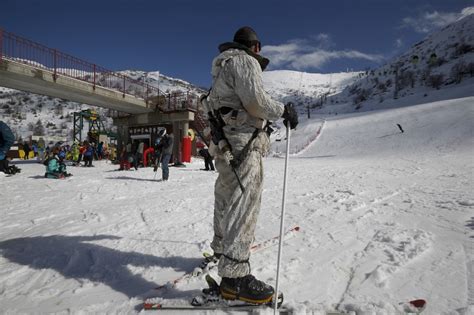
x=247, y=289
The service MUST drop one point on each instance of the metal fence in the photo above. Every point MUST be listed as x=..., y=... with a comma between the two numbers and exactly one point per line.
x=21, y=50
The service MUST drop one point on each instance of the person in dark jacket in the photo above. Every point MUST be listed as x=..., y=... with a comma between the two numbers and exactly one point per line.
x=34, y=147
x=26, y=148
x=157, y=154
x=100, y=150
x=204, y=152
x=208, y=164
x=6, y=140
x=166, y=148
x=88, y=154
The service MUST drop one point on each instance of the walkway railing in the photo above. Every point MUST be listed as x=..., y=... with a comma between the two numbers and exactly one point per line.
x=21, y=50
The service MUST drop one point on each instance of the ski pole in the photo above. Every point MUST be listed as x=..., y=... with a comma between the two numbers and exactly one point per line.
x=282, y=220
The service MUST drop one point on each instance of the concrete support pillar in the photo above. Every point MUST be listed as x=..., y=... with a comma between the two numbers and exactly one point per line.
x=122, y=135
x=177, y=131
x=185, y=128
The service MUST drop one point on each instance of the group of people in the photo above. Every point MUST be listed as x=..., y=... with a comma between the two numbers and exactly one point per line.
x=52, y=157
x=76, y=153
x=133, y=153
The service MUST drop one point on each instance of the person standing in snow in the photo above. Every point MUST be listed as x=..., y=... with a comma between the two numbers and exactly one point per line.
x=237, y=100
x=133, y=158
x=88, y=154
x=140, y=150
x=204, y=152
x=41, y=149
x=208, y=164
x=165, y=147
x=157, y=153
x=82, y=150
x=100, y=150
x=6, y=140
x=26, y=148
x=75, y=152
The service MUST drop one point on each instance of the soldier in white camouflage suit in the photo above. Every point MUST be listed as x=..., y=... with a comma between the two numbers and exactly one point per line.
x=238, y=97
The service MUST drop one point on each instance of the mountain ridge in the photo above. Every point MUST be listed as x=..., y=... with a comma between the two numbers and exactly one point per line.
x=444, y=59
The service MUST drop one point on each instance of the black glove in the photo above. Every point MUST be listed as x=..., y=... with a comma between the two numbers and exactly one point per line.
x=290, y=115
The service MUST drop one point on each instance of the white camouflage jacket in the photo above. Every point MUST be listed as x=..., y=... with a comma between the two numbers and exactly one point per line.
x=237, y=84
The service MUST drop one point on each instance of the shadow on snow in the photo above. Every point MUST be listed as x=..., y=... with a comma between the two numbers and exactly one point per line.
x=74, y=257
x=470, y=224
x=30, y=161
x=135, y=178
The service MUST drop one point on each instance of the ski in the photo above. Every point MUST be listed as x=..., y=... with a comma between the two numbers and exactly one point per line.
x=237, y=307
x=209, y=264
x=274, y=240
x=212, y=300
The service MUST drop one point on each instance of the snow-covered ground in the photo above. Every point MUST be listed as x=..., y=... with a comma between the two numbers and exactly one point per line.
x=385, y=217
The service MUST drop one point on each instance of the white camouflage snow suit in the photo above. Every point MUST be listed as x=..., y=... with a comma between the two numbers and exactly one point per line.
x=237, y=85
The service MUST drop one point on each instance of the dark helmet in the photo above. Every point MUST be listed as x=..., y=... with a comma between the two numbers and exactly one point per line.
x=246, y=36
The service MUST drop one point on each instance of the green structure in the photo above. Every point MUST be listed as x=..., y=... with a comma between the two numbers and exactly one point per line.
x=95, y=124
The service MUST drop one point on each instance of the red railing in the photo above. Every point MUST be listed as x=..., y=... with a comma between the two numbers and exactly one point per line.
x=18, y=49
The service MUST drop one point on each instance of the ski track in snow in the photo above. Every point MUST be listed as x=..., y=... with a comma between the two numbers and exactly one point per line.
x=383, y=220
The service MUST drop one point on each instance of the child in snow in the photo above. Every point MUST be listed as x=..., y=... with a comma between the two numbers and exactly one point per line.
x=55, y=167
x=126, y=160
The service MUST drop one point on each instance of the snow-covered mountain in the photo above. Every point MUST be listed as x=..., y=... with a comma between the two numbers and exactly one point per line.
x=306, y=89
x=165, y=83
x=442, y=61
x=30, y=114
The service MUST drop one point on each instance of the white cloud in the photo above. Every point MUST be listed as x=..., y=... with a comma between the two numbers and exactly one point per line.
x=324, y=41
x=398, y=43
x=302, y=54
x=430, y=21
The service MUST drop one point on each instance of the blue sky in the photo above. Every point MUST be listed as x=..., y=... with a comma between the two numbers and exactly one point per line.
x=179, y=38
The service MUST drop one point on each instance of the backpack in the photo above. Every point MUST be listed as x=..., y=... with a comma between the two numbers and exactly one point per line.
x=166, y=141
x=46, y=162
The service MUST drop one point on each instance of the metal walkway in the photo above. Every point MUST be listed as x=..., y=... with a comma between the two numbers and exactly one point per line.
x=32, y=67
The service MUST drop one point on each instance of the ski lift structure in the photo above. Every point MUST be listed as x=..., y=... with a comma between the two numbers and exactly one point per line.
x=96, y=126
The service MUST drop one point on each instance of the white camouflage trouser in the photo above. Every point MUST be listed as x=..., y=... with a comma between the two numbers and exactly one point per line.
x=235, y=213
